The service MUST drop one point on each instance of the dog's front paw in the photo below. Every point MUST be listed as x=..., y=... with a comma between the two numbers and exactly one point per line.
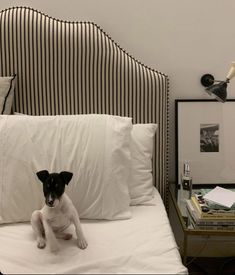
x=41, y=243
x=82, y=243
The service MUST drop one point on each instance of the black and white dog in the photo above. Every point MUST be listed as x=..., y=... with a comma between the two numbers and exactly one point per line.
x=57, y=214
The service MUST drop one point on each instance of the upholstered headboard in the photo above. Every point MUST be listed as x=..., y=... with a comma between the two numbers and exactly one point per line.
x=75, y=68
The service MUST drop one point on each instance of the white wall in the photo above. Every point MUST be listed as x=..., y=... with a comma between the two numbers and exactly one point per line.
x=183, y=38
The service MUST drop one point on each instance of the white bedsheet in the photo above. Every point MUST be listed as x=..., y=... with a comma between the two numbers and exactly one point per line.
x=143, y=244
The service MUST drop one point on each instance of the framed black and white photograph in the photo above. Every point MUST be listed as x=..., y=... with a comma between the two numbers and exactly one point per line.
x=205, y=139
x=209, y=137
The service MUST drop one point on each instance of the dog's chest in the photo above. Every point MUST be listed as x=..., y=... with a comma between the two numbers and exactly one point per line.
x=58, y=220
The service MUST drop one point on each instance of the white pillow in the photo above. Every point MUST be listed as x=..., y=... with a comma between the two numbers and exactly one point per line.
x=141, y=186
x=7, y=86
x=94, y=147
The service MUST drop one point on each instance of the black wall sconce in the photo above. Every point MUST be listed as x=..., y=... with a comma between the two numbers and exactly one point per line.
x=218, y=88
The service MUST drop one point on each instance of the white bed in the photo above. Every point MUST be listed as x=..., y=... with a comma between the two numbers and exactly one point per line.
x=67, y=78
x=143, y=244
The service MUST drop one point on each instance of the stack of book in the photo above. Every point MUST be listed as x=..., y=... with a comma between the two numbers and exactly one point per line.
x=206, y=215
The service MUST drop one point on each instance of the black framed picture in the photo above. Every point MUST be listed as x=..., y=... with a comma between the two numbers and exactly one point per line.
x=205, y=139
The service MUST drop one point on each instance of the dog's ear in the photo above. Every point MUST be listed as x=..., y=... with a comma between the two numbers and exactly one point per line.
x=66, y=176
x=43, y=175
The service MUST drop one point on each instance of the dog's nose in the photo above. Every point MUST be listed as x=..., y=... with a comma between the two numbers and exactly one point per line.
x=50, y=202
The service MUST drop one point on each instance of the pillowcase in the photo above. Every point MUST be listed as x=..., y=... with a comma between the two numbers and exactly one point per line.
x=95, y=148
x=141, y=185
x=7, y=86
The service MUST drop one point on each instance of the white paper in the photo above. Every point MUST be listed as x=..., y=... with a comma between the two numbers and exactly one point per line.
x=221, y=196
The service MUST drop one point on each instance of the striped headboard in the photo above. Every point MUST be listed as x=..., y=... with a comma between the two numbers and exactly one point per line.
x=76, y=68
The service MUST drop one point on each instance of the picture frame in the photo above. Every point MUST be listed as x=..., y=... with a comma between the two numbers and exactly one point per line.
x=205, y=140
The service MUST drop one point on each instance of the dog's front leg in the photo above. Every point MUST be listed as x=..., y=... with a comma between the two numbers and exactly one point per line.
x=36, y=222
x=81, y=241
x=50, y=236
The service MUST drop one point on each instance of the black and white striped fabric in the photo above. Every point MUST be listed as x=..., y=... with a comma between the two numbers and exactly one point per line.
x=76, y=68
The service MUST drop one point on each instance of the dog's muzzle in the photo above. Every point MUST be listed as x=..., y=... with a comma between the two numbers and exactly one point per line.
x=50, y=201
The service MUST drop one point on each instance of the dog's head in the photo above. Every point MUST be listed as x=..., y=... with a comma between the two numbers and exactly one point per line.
x=53, y=185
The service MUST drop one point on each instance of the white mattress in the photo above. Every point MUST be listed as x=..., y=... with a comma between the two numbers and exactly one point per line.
x=143, y=244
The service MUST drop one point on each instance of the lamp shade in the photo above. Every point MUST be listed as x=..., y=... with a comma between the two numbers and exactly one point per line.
x=231, y=72
x=218, y=91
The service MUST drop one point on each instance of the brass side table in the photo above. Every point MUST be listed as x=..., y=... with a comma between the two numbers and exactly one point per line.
x=180, y=210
